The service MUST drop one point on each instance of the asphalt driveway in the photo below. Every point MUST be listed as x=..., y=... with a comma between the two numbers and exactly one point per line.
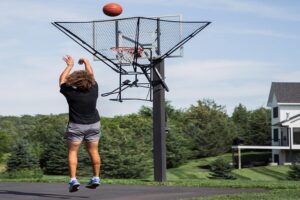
x=52, y=191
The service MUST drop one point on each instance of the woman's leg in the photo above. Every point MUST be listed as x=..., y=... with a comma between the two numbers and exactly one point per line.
x=92, y=148
x=72, y=157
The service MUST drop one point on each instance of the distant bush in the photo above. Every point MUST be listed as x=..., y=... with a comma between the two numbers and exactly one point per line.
x=21, y=158
x=294, y=173
x=220, y=169
x=35, y=173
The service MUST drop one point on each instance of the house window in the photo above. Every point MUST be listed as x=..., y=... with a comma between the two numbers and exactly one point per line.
x=275, y=135
x=275, y=112
x=296, y=136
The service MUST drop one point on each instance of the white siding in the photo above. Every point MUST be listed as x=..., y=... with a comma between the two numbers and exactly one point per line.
x=291, y=110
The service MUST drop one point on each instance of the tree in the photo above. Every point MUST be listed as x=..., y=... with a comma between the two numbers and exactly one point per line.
x=259, y=127
x=221, y=169
x=54, y=160
x=240, y=117
x=5, y=143
x=177, y=144
x=126, y=144
x=254, y=127
x=294, y=173
x=210, y=129
x=178, y=148
x=45, y=129
x=21, y=158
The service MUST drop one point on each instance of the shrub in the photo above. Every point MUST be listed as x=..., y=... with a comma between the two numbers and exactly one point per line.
x=21, y=158
x=294, y=173
x=35, y=173
x=221, y=169
x=126, y=147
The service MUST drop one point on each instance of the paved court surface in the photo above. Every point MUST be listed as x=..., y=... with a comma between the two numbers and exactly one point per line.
x=47, y=191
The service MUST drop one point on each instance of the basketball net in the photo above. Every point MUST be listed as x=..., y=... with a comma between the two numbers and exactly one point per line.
x=125, y=55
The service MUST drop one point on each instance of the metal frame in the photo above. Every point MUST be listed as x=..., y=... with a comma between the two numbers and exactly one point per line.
x=137, y=67
x=108, y=61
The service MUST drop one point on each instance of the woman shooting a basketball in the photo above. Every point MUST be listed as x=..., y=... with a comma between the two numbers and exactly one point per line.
x=81, y=92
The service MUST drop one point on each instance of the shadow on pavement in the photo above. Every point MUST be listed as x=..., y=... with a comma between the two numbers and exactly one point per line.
x=54, y=196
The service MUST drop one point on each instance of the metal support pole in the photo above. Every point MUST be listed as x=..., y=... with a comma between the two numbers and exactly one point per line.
x=232, y=157
x=159, y=126
x=240, y=158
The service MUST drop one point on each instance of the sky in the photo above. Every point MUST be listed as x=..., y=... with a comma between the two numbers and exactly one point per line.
x=249, y=45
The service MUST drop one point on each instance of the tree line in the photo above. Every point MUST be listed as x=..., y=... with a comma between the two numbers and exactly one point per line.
x=202, y=130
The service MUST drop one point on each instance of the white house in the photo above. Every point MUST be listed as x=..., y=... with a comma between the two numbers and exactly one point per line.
x=284, y=100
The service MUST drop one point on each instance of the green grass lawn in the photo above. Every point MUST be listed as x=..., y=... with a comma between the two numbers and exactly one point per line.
x=286, y=194
x=198, y=169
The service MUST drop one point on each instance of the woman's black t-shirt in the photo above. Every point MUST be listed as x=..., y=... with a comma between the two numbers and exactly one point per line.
x=82, y=104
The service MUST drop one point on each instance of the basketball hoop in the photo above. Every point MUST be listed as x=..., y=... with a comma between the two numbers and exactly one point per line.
x=134, y=47
x=126, y=55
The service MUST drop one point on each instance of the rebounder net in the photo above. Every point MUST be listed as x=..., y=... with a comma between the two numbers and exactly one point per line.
x=157, y=38
x=132, y=46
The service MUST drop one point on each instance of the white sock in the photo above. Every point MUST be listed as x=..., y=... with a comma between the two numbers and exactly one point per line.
x=96, y=177
x=73, y=179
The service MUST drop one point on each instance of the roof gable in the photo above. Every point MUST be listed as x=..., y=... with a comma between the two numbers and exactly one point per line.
x=285, y=92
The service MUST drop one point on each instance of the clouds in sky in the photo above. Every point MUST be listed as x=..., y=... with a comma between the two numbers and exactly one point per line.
x=223, y=63
x=266, y=9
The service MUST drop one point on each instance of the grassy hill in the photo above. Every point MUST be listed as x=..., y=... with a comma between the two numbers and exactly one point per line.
x=199, y=169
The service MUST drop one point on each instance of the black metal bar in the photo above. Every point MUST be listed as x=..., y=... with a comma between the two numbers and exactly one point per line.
x=129, y=99
x=127, y=18
x=120, y=84
x=161, y=79
x=158, y=36
x=94, y=36
x=146, y=74
x=87, y=47
x=117, y=33
x=159, y=126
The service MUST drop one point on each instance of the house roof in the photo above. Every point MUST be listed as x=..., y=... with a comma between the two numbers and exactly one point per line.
x=285, y=92
x=287, y=120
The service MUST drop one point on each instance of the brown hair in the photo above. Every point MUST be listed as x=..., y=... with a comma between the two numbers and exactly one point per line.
x=81, y=80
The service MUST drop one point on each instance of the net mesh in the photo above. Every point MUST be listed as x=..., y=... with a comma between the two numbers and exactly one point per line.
x=127, y=54
x=155, y=37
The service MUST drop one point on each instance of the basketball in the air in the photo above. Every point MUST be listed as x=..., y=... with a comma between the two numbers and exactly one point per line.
x=112, y=9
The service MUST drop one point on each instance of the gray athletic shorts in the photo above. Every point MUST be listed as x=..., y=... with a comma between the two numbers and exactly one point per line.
x=83, y=132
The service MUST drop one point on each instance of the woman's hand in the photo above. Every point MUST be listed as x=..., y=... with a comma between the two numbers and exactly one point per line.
x=69, y=60
x=70, y=63
x=87, y=65
x=82, y=61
